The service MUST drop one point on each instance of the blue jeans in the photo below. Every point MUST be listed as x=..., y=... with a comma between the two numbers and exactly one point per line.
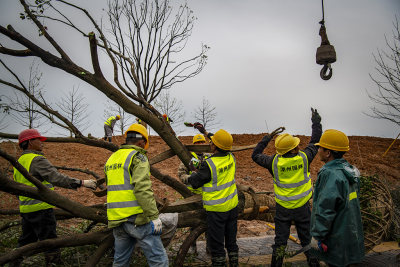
x=127, y=235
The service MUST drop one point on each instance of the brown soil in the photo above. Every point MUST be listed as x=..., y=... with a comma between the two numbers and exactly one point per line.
x=366, y=153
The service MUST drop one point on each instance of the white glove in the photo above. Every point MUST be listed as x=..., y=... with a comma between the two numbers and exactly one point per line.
x=185, y=178
x=89, y=184
x=156, y=227
x=318, y=245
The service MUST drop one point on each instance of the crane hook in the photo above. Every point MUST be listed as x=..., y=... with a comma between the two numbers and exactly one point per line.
x=323, y=73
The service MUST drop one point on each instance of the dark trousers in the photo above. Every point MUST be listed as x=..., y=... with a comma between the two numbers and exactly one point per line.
x=283, y=220
x=222, y=226
x=38, y=225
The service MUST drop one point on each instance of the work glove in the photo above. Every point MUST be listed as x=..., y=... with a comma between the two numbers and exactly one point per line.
x=315, y=117
x=318, y=245
x=156, y=227
x=185, y=179
x=200, y=127
x=268, y=137
x=92, y=184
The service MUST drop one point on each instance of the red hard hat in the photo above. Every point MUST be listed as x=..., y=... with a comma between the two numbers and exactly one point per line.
x=29, y=134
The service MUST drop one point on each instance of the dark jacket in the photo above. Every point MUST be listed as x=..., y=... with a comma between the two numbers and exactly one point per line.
x=336, y=215
x=266, y=161
x=203, y=175
x=43, y=170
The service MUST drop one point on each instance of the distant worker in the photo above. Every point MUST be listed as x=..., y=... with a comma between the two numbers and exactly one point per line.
x=290, y=169
x=167, y=118
x=216, y=178
x=131, y=208
x=38, y=220
x=141, y=122
x=199, y=157
x=336, y=225
x=109, y=127
x=184, y=173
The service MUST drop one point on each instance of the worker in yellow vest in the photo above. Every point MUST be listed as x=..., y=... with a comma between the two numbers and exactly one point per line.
x=198, y=157
x=109, y=127
x=38, y=220
x=131, y=207
x=216, y=178
x=290, y=169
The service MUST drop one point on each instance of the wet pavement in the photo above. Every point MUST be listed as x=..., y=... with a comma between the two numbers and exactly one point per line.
x=256, y=251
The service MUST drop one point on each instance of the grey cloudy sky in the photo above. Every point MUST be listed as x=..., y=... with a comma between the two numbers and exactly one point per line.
x=261, y=72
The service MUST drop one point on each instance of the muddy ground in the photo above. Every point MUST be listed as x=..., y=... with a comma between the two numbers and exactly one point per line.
x=366, y=153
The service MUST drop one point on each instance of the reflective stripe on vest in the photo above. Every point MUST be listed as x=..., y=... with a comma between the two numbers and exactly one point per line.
x=220, y=194
x=109, y=120
x=121, y=200
x=27, y=204
x=292, y=182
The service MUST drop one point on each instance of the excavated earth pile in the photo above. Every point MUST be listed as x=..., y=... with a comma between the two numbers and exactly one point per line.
x=366, y=153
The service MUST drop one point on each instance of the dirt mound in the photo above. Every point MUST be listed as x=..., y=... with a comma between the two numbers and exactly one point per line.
x=366, y=153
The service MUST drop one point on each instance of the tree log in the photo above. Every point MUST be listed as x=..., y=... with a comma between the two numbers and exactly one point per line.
x=41, y=246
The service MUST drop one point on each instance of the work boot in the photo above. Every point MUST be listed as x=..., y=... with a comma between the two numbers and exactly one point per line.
x=233, y=258
x=218, y=261
x=276, y=261
x=109, y=139
x=312, y=260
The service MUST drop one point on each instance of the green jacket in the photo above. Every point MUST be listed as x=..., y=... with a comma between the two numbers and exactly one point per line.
x=140, y=169
x=336, y=215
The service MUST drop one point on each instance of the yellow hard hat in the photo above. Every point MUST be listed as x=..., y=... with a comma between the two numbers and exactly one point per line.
x=118, y=117
x=285, y=142
x=136, y=127
x=222, y=139
x=198, y=138
x=334, y=140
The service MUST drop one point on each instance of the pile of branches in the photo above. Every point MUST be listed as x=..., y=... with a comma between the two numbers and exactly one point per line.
x=377, y=210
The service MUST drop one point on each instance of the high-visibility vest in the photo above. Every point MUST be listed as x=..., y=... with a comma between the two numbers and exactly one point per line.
x=292, y=182
x=198, y=190
x=109, y=120
x=27, y=204
x=121, y=201
x=220, y=194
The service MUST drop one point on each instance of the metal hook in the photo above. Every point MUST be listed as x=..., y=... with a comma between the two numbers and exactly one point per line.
x=323, y=73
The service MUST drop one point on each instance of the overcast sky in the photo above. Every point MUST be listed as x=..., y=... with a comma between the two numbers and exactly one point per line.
x=261, y=72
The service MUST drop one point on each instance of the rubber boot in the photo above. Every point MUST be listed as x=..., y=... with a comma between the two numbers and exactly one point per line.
x=218, y=261
x=312, y=260
x=276, y=261
x=233, y=258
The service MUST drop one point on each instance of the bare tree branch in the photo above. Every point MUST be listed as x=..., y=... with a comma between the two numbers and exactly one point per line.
x=387, y=94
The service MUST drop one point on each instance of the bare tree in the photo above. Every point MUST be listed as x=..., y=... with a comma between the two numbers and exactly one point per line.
x=142, y=67
x=74, y=107
x=206, y=114
x=167, y=104
x=150, y=45
x=386, y=98
x=21, y=108
x=112, y=109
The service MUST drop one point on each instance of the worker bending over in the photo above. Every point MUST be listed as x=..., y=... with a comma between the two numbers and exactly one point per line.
x=131, y=207
x=38, y=220
x=216, y=177
x=290, y=169
x=336, y=225
x=198, y=157
x=109, y=127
